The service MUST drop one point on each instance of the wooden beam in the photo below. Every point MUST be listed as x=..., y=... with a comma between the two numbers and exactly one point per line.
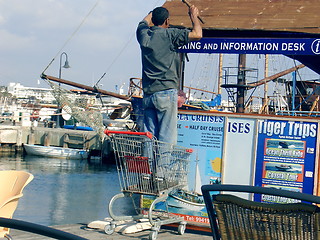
x=89, y=88
x=277, y=75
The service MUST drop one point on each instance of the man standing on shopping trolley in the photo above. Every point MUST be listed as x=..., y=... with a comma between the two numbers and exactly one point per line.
x=161, y=69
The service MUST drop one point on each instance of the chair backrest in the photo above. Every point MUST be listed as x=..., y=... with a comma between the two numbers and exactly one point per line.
x=12, y=184
x=232, y=217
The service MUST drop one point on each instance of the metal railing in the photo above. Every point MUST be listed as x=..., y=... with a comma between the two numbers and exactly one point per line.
x=38, y=229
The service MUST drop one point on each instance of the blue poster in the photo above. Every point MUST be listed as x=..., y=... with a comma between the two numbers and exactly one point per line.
x=286, y=153
x=204, y=134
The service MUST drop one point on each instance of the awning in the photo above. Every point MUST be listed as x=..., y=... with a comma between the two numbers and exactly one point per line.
x=256, y=20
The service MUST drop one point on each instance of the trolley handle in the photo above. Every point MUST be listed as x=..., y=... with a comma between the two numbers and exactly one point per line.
x=147, y=134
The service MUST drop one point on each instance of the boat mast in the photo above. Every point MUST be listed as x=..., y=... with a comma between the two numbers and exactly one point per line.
x=220, y=72
x=197, y=180
x=265, y=97
x=241, y=83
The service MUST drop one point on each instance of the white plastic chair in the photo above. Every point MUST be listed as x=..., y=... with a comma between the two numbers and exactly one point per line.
x=12, y=184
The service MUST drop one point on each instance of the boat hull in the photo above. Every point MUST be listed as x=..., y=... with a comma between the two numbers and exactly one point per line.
x=55, y=152
x=174, y=202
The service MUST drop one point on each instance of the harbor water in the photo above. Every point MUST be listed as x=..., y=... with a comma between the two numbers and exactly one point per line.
x=64, y=191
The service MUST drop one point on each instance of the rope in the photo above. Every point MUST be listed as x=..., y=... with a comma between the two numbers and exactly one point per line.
x=73, y=34
x=116, y=58
x=121, y=51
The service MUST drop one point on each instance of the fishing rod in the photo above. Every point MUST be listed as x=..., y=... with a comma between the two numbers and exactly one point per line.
x=189, y=5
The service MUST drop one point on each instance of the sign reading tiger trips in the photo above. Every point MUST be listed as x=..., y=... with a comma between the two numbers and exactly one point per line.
x=285, y=157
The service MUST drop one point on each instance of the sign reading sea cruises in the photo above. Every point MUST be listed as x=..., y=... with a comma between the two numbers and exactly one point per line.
x=304, y=46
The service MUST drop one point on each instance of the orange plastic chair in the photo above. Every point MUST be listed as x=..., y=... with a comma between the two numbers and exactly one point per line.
x=12, y=184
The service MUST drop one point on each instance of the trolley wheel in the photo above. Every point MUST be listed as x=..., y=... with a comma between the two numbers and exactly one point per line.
x=109, y=229
x=182, y=228
x=153, y=235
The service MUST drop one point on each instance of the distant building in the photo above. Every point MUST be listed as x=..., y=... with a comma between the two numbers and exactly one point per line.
x=44, y=95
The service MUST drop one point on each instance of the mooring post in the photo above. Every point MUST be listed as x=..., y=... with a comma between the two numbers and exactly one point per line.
x=46, y=141
x=66, y=140
x=31, y=138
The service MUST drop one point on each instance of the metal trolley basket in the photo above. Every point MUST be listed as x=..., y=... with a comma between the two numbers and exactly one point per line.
x=147, y=166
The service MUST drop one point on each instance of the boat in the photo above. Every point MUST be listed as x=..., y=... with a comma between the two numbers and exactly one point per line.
x=190, y=200
x=55, y=152
x=283, y=167
x=181, y=198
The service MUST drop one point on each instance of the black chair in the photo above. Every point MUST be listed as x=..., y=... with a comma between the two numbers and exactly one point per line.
x=232, y=217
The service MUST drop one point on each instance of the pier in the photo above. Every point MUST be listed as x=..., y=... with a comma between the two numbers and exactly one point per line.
x=12, y=138
x=165, y=233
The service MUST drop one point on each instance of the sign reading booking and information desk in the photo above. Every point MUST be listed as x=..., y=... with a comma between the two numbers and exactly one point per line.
x=285, y=46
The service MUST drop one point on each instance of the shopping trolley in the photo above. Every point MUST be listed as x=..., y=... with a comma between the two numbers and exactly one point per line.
x=147, y=166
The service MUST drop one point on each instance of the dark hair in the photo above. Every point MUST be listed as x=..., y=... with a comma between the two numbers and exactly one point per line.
x=159, y=15
x=181, y=93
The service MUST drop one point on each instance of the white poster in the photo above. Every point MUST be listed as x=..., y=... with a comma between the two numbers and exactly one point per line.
x=238, y=159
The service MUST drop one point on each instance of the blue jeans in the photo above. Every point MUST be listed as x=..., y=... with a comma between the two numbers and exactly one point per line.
x=160, y=115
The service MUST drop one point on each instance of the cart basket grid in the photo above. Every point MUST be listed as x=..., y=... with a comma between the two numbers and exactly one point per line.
x=148, y=166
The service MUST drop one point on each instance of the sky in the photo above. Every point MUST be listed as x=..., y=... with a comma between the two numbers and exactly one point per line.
x=98, y=37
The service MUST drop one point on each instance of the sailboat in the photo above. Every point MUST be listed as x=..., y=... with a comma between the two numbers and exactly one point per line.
x=189, y=200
